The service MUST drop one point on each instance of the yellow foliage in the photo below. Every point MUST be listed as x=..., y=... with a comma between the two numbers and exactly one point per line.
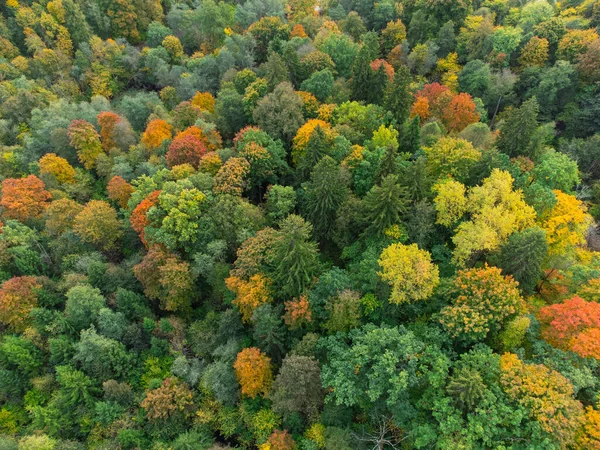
x=249, y=294
x=566, y=224
x=450, y=201
x=59, y=167
x=409, y=271
x=305, y=132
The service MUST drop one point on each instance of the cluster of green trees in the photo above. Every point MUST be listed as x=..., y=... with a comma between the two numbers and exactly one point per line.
x=283, y=225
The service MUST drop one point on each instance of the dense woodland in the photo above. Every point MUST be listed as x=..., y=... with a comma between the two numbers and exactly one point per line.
x=262, y=225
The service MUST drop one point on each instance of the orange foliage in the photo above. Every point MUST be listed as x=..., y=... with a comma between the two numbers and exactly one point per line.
x=185, y=149
x=573, y=325
x=204, y=100
x=420, y=108
x=119, y=190
x=387, y=68
x=460, y=112
x=107, y=121
x=297, y=312
x=156, y=132
x=249, y=294
x=253, y=371
x=230, y=179
x=298, y=31
x=281, y=440
x=24, y=198
x=211, y=139
x=18, y=297
x=438, y=96
x=170, y=400
x=545, y=393
x=138, y=218
x=58, y=167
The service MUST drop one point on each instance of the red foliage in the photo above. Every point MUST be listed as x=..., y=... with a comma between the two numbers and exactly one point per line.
x=24, y=198
x=573, y=325
x=186, y=149
x=138, y=218
x=438, y=97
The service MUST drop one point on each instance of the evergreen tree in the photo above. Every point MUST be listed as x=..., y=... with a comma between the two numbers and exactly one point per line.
x=398, y=98
x=518, y=129
x=410, y=139
x=384, y=205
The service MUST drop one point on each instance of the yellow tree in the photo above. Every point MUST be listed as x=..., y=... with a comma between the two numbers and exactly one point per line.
x=450, y=201
x=496, y=211
x=59, y=168
x=156, y=132
x=250, y=294
x=546, y=394
x=253, y=371
x=566, y=224
x=453, y=157
x=409, y=271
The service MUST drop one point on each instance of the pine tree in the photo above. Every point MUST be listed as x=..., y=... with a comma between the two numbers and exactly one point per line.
x=410, y=139
x=518, y=129
x=398, y=97
x=385, y=204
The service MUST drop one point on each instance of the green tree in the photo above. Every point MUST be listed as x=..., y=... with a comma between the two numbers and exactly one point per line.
x=522, y=257
x=294, y=256
x=517, y=131
x=385, y=204
x=280, y=112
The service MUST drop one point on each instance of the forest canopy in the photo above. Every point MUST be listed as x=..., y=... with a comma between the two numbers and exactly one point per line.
x=299, y=225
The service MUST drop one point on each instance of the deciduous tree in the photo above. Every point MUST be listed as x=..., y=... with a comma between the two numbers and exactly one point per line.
x=24, y=198
x=253, y=371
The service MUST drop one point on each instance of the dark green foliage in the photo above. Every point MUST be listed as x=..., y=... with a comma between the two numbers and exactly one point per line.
x=385, y=204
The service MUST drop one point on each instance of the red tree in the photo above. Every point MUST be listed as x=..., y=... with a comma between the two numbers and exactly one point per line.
x=107, y=121
x=138, y=218
x=573, y=325
x=186, y=149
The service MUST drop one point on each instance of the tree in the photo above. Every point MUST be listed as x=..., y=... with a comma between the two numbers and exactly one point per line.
x=186, y=149
x=344, y=310
x=325, y=192
x=534, y=53
x=545, y=394
x=24, y=198
x=573, y=325
x=460, y=113
x=18, y=297
x=59, y=168
x=483, y=299
x=230, y=179
x=108, y=121
x=253, y=371
x=100, y=357
x=294, y=256
x=495, y=199
x=83, y=306
x=385, y=204
x=60, y=216
x=566, y=224
x=359, y=364
x=452, y=157
x=320, y=84
x=229, y=110
x=172, y=400
x=249, y=294
x=139, y=219
x=518, y=128
x=450, y=201
x=119, y=190
x=280, y=112
x=297, y=312
x=522, y=257
x=86, y=140
x=297, y=388
x=156, y=132
x=587, y=62
x=409, y=271
x=398, y=97
x=281, y=440
x=98, y=224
